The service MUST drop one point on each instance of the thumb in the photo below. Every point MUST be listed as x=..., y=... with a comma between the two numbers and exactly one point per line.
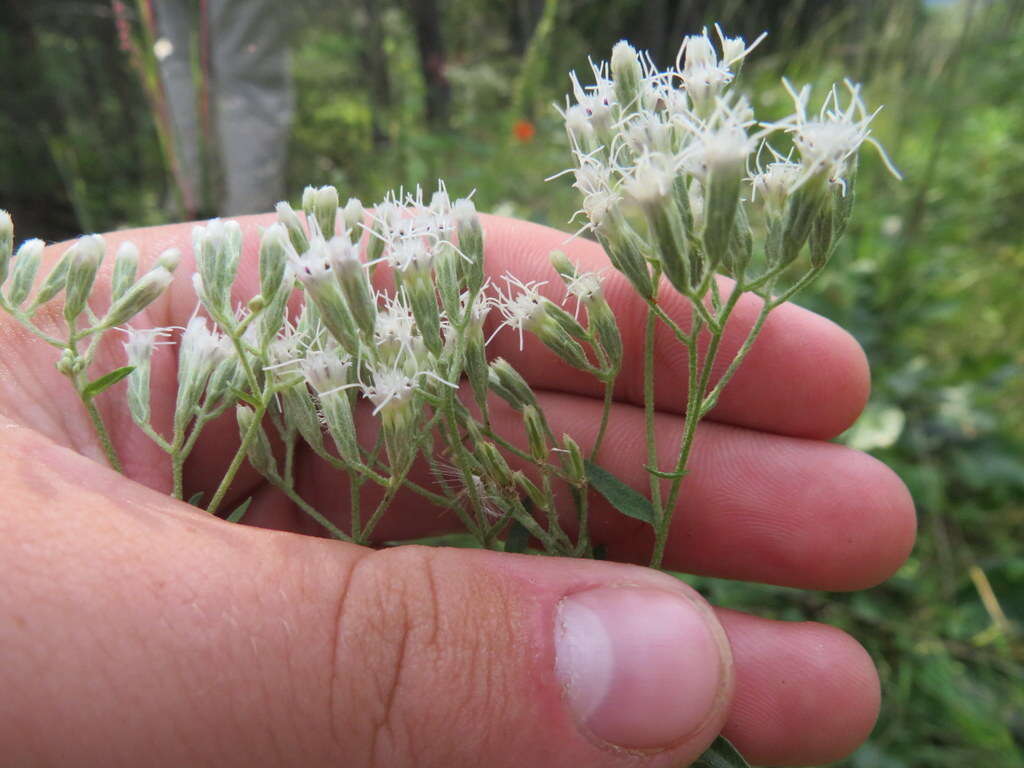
x=152, y=633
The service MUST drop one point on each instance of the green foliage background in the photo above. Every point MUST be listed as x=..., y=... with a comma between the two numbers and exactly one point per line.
x=929, y=277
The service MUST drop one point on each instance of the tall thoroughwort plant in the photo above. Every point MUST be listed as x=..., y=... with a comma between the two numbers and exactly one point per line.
x=679, y=183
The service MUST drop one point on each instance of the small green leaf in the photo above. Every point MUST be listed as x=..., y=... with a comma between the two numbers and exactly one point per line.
x=195, y=498
x=240, y=511
x=665, y=475
x=518, y=538
x=620, y=495
x=721, y=754
x=239, y=394
x=106, y=381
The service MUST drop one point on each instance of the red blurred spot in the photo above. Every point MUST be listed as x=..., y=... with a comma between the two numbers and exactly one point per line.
x=523, y=130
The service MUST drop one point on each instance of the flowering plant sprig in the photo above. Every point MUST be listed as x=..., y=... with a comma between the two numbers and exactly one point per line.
x=369, y=322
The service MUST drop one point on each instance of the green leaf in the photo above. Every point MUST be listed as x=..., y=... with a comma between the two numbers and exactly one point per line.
x=239, y=394
x=721, y=754
x=518, y=538
x=195, y=498
x=106, y=381
x=240, y=511
x=620, y=495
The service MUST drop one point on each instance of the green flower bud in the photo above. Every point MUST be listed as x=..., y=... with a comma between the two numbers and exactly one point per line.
x=325, y=209
x=494, y=464
x=258, y=451
x=535, y=433
x=217, y=248
x=721, y=199
x=139, y=351
x=352, y=217
x=565, y=268
x=602, y=320
x=471, y=242
x=6, y=243
x=83, y=263
x=627, y=74
x=273, y=259
x=672, y=244
x=575, y=464
x=822, y=234
x=308, y=199
x=144, y=292
x=126, y=265
x=741, y=245
x=26, y=265
x=802, y=208
x=626, y=250
x=449, y=287
x=227, y=374
x=533, y=493
x=300, y=413
x=354, y=282
x=287, y=216
x=337, y=413
x=506, y=382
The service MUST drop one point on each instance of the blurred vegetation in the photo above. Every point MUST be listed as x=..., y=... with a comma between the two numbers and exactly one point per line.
x=929, y=277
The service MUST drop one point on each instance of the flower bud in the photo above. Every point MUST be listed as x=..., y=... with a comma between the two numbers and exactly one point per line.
x=601, y=318
x=565, y=268
x=575, y=464
x=352, y=217
x=741, y=245
x=535, y=433
x=511, y=387
x=273, y=259
x=308, y=198
x=625, y=249
x=126, y=265
x=533, y=493
x=822, y=235
x=258, y=451
x=325, y=210
x=471, y=242
x=144, y=292
x=300, y=413
x=6, y=243
x=287, y=216
x=139, y=351
x=337, y=413
x=354, y=282
x=627, y=74
x=83, y=262
x=26, y=265
x=494, y=464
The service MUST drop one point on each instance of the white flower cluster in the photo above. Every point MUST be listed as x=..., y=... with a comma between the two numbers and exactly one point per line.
x=676, y=147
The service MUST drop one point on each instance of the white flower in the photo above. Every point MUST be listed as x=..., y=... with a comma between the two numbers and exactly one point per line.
x=314, y=267
x=523, y=310
x=395, y=327
x=141, y=341
x=392, y=388
x=649, y=180
x=326, y=371
x=775, y=181
x=827, y=142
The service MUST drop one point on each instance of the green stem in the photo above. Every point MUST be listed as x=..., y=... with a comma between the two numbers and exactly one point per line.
x=236, y=462
x=652, y=446
x=101, y=432
x=306, y=507
x=606, y=409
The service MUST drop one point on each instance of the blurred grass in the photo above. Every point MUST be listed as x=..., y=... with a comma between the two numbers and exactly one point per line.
x=929, y=277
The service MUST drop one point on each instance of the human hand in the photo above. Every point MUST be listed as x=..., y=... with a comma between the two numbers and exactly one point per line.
x=138, y=629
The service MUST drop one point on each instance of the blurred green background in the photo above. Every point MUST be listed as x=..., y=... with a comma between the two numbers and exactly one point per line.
x=929, y=276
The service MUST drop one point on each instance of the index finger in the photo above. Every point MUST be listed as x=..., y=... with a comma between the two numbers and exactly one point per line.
x=805, y=376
